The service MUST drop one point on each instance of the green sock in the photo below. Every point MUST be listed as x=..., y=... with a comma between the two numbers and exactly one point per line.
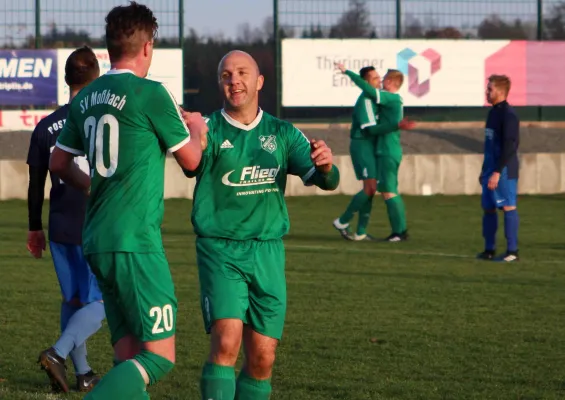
x=364, y=215
x=121, y=382
x=217, y=382
x=249, y=388
x=396, y=214
x=354, y=205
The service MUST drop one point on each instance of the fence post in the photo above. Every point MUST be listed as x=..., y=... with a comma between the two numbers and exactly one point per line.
x=37, y=24
x=181, y=46
x=398, y=19
x=540, y=37
x=540, y=20
x=181, y=23
x=277, y=37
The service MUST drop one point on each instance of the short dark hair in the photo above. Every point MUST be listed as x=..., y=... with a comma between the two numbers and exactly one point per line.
x=81, y=67
x=365, y=71
x=502, y=82
x=128, y=28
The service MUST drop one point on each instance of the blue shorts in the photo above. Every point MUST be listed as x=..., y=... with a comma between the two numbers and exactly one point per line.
x=505, y=195
x=75, y=277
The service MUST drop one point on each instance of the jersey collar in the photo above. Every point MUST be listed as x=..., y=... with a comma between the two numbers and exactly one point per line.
x=119, y=71
x=241, y=126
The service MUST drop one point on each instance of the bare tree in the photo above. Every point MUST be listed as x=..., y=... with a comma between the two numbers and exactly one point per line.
x=354, y=23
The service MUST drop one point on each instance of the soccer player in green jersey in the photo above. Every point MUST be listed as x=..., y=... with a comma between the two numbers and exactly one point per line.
x=363, y=156
x=240, y=217
x=388, y=148
x=125, y=124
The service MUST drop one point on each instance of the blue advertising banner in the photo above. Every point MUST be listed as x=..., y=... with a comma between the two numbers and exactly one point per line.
x=28, y=77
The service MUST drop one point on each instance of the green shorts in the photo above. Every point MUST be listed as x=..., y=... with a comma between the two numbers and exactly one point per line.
x=363, y=158
x=138, y=293
x=388, y=174
x=243, y=280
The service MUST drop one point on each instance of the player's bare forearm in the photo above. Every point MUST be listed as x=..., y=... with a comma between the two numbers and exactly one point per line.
x=325, y=180
x=190, y=155
x=61, y=164
x=76, y=177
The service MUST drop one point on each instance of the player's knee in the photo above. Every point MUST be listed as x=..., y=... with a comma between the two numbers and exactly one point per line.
x=260, y=364
x=388, y=196
x=508, y=208
x=126, y=348
x=154, y=365
x=225, y=349
x=370, y=187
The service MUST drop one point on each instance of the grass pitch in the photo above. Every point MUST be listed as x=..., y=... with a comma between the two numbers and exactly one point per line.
x=415, y=320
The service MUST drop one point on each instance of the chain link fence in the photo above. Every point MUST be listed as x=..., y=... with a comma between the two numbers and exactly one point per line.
x=64, y=23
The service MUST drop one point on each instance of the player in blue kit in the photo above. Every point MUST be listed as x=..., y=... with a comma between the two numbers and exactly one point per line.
x=82, y=310
x=499, y=175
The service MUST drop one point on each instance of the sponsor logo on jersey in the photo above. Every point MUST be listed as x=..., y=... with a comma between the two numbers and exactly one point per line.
x=268, y=143
x=252, y=176
x=489, y=133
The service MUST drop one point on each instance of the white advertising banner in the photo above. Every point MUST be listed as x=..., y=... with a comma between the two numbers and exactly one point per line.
x=437, y=72
x=166, y=67
x=21, y=120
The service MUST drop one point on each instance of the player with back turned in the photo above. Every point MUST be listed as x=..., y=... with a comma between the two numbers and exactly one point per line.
x=125, y=124
x=499, y=175
x=240, y=216
x=81, y=309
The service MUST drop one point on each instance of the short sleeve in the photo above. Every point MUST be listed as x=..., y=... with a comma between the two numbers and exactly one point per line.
x=70, y=139
x=165, y=116
x=367, y=113
x=38, y=153
x=299, y=161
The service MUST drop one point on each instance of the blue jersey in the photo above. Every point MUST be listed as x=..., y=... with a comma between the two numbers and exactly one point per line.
x=67, y=205
x=502, y=139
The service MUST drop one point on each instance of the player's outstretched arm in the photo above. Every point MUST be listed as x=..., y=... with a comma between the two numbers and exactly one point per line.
x=379, y=96
x=61, y=163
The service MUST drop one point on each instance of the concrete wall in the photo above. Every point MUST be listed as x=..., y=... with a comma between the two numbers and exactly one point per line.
x=542, y=173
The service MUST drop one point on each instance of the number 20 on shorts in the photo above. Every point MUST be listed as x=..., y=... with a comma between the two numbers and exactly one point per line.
x=162, y=315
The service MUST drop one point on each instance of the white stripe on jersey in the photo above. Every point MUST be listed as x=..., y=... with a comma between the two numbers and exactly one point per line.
x=175, y=105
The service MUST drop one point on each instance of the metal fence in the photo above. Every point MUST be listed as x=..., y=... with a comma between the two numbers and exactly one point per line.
x=57, y=23
x=416, y=19
x=487, y=19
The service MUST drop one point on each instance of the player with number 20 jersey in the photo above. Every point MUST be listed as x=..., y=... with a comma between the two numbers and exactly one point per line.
x=114, y=121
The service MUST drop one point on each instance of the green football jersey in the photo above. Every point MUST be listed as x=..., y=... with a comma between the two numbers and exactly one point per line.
x=125, y=125
x=364, y=116
x=242, y=177
x=390, y=112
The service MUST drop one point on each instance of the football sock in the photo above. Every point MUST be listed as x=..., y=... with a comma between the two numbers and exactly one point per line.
x=364, y=215
x=121, y=382
x=490, y=226
x=354, y=205
x=155, y=365
x=78, y=355
x=511, y=222
x=249, y=388
x=396, y=214
x=217, y=382
x=84, y=323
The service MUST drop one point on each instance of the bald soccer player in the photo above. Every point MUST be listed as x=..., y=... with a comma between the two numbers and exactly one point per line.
x=240, y=217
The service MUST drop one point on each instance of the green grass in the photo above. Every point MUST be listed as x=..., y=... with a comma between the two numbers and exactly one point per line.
x=415, y=320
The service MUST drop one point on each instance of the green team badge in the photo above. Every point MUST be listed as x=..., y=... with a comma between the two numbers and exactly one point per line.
x=268, y=143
